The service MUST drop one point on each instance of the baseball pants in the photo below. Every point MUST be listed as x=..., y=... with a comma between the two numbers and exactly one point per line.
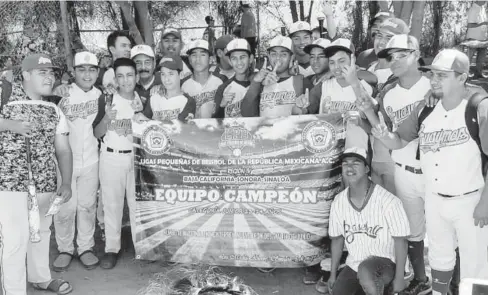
x=410, y=190
x=15, y=246
x=116, y=181
x=82, y=207
x=450, y=224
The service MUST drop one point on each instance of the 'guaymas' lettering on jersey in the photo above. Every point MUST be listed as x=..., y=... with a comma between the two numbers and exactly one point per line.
x=337, y=106
x=164, y=115
x=203, y=98
x=79, y=110
x=434, y=141
x=397, y=117
x=233, y=110
x=271, y=99
x=350, y=230
x=122, y=127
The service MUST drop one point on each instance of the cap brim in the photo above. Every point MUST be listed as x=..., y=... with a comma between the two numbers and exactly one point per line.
x=387, y=51
x=91, y=65
x=437, y=68
x=237, y=49
x=345, y=155
x=309, y=48
x=291, y=34
x=281, y=47
x=335, y=48
x=188, y=52
x=177, y=35
x=43, y=67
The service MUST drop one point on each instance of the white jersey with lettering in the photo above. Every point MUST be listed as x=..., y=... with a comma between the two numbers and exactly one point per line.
x=368, y=231
x=119, y=131
x=80, y=109
x=381, y=74
x=278, y=99
x=161, y=108
x=204, y=95
x=398, y=103
x=336, y=98
x=233, y=109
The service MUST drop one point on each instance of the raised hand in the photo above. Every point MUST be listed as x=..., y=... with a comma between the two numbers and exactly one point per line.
x=350, y=72
x=20, y=127
x=272, y=78
x=62, y=90
x=303, y=101
x=430, y=100
x=110, y=89
x=228, y=97
x=139, y=118
x=327, y=9
x=110, y=112
x=381, y=130
x=261, y=75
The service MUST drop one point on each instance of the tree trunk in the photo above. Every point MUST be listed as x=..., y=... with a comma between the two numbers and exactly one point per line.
x=133, y=30
x=406, y=13
x=417, y=19
x=397, y=8
x=374, y=8
x=293, y=10
x=357, y=34
x=125, y=25
x=143, y=21
x=66, y=35
x=309, y=16
x=302, y=10
x=437, y=20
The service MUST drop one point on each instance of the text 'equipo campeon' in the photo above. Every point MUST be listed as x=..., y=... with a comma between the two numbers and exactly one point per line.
x=296, y=196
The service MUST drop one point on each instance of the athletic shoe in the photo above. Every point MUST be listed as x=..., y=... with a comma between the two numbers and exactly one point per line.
x=408, y=276
x=418, y=288
x=266, y=270
x=312, y=275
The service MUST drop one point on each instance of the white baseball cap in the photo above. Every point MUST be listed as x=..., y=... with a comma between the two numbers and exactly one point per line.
x=85, y=58
x=399, y=43
x=320, y=43
x=141, y=49
x=339, y=44
x=449, y=60
x=299, y=26
x=238, y=45
x=198, y=44
x=280, y=41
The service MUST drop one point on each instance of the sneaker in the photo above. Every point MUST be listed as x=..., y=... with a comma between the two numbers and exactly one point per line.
x=322, y=287
x=417, y=288
x=312, y=275
x=266, y=270
x=408, y=276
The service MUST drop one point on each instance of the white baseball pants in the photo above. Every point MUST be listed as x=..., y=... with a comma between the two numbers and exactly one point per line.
x=116, y=181
x=410, y=189
x=450, y=224
x=15, y=245
x=82, y=207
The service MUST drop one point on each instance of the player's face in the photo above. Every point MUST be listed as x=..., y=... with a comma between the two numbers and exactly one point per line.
x=240, y=62
x=122, y=47
x=381, y=38
x=444, y=82
x=200, y=60
x=338, y=61
x=170, y=78
x=40, y=80
x=144, y=65
x=353, y=169
x=282, y=56
x=315, y=35
x=375, y=27
x=171, y=45
x=86, y=76
x=126, y=78
x=402, y=61
x=300, y=40
x=318, y=61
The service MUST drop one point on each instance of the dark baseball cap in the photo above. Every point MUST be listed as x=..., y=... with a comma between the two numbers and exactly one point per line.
x=381, y=16
x=171, y=31
x=172, y=63
x=222, y=42
x=37, y=61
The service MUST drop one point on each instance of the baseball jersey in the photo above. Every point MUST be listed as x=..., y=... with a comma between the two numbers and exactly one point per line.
x=203, y=95
x=219, y=71
x=305, y=69
x=368, y=231
x=48, y=121
x=119, y=131
x=477, y=15
x=396, y=105
x=330, y=97
x=144, y=91
x=233, y=109
x=80, y=109
x=162, y=108
x=449, y=157
x=381, y=74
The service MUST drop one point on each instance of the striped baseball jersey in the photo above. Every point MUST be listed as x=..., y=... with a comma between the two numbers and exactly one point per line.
x=330, y=97
x=204, y=95
x=233, y=109
x=162, y=108
x=119, y=131
x=449, y=157
x=368, y=231
x=396, y=104
x=80, y=109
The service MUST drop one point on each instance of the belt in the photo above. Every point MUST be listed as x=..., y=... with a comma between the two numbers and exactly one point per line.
x=410, y=169
x=111, y=150
x=451, y=196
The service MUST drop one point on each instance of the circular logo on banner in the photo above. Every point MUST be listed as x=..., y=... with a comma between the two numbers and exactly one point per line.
x=236, y=138
x=318, y=136
x=155, y=140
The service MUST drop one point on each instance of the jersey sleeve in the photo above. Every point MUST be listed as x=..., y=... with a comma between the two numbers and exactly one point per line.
x=219, y=94
x=314, y=98
x=408, y=130
x=189, y=110
x=396, y=218
x=147, y=111
x=62, y=126
x=250, y=102
x=483, y=124
x=335, y=225
x=101, y=111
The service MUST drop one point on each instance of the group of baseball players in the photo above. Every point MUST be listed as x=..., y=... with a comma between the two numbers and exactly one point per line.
x=413, y=164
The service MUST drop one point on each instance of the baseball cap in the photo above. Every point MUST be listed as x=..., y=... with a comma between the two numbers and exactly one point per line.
x=280, y=41
x=449, y=60
x=172, y=63
x=299, y=26
x=37, y=61
x=394, y=26
x=340, y=44
x=321, y=43
x=222, y=42
x=238, y=45
x=381, y=16
x=171, y=31
x=399, y=43
x=357, y=144
x=197, y=44
x=85, y=58
x=141, y=49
